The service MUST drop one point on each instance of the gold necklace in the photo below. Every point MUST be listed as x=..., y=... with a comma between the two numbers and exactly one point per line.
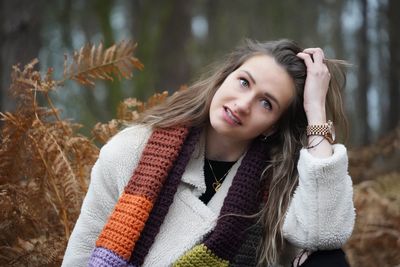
x=217, y=184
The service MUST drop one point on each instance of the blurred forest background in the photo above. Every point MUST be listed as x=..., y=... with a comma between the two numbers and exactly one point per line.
x=177, y=39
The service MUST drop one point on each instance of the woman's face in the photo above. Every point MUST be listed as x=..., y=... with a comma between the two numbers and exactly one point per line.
x=251, y=99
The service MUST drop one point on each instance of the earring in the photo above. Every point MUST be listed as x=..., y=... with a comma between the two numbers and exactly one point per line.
x=264, y=137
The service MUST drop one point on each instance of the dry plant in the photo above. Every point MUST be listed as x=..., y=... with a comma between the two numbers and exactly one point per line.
x=44, y=163
x=128, y=111
x=381, y=157
x=376, y=237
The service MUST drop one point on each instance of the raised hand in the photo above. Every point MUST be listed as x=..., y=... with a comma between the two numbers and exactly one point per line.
x=315, y=91
x=316, y=86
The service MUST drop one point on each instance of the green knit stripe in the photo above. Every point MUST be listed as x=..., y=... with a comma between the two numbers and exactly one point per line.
x=200, y=256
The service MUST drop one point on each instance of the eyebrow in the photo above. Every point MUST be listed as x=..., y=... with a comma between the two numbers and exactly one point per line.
x=251, y=77
x=272, y=98
x=268, y=95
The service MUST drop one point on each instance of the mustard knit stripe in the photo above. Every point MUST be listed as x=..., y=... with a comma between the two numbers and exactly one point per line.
x=200, y=256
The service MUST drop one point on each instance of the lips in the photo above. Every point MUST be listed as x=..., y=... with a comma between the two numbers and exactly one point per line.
x=231, y=117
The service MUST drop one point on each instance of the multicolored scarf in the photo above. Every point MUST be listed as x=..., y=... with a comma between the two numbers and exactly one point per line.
x=136, y=219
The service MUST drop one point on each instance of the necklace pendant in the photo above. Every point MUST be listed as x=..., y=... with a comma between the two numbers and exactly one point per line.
x=216, y=186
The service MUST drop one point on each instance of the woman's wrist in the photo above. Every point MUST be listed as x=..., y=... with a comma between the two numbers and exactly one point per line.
x=315, y=114
x=314, y=118
x=319, y=145
x=321, y=149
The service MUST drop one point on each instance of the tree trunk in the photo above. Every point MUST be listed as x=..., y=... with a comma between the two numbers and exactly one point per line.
x=362, y=130
x=173, y=66
x=20, y=40
x=394, y=64
x=114, y=91
x=2, y=37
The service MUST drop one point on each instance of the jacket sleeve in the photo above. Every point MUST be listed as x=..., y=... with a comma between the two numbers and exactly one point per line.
x=112, y=170
x=321, y=213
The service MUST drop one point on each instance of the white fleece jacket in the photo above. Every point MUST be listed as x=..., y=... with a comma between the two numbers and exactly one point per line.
x=320, y=216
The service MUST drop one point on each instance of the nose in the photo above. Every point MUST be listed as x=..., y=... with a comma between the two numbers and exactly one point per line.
x=243, y=104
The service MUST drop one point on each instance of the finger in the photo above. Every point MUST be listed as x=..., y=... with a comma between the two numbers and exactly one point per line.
x=313, y=50
x=306, y=57
x=318, y=54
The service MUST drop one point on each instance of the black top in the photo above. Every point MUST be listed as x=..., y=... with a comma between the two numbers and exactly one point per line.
x=220, y=168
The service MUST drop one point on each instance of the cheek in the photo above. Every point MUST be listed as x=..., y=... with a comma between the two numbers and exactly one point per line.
x=263, y=123
x=215, y=102
x=263, y=128
x=218, y=97
x=225, y=89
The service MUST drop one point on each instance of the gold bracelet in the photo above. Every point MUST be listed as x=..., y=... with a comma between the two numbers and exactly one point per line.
x=327, y=130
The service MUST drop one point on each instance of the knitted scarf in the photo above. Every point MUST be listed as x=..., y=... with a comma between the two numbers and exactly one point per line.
x=136, y=219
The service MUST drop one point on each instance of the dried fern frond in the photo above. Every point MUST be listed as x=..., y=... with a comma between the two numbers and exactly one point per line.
x=21, y=214
x=44, y=164
x=14, y=151
x=83, y=153
x=377, y=223
x=93, y=62
x=383, y=156
x=153, y=100
x=128, y=111
x=104, y=131
x=41, y=251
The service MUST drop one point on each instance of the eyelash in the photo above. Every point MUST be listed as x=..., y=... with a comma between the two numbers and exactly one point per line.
x=269, y=104
x=245, y=83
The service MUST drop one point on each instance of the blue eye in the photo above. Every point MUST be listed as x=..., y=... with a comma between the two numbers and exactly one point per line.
x=266, y=104
x=244, y=82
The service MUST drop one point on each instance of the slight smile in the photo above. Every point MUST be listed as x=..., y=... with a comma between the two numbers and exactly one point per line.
x=230, y=117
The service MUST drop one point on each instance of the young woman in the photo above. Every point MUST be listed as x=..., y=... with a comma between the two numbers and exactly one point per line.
x=238, y=170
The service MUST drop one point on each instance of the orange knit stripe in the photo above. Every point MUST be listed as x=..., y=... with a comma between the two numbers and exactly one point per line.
x=125, y=224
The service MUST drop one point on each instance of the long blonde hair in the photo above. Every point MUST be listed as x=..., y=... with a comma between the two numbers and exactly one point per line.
x=191, y=107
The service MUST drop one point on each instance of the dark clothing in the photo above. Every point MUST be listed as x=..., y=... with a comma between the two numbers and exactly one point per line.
x=326, y=258
x=220, y=168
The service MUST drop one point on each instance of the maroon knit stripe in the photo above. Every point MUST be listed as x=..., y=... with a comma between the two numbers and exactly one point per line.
x=157, y=159
x=164, y=200
x=243, y=198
